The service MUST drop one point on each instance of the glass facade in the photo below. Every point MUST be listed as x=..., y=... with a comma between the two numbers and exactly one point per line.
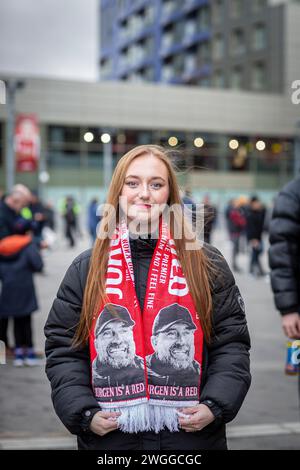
x=69, y=156
x=71, y=161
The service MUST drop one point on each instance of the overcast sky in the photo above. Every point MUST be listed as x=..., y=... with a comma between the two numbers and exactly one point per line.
x=49, y=38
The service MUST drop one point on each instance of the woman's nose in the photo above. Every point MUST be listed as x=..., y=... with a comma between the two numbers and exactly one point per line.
x=144, y=191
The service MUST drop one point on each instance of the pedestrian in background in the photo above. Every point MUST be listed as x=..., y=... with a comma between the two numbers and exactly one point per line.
x=255, y=217
x=93, y=218
x=13, y=237
x=70, y=212
x=18, y=299
x=236, y=224
x=116, y=286
x=284, y=257
x=210, y=218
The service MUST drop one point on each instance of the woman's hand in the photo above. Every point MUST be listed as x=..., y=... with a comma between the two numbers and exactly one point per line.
x=199, y=416
x=104, y=422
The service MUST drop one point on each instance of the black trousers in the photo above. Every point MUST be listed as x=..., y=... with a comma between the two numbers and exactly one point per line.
x=3, y=331
x=22, y=331
x=70, y=229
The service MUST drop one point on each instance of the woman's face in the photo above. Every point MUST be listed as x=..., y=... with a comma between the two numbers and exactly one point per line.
x=145, y=189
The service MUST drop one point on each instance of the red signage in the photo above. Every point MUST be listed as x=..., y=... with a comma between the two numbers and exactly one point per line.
x=27, y=143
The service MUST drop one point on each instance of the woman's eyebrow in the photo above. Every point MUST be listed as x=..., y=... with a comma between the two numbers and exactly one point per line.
x=152, y=177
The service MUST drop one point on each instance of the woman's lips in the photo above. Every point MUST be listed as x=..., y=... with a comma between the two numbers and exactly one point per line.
x=143, y=206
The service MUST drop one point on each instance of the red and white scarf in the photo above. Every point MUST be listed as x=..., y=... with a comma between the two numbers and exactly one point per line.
x=146, y=364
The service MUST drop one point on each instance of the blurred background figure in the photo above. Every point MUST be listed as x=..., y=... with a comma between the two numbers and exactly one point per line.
x=38, y=216
x=236, y=223
x=255, y=217
x=49, y=213
x=93, y=218
x=18, y=300
x=12, y=224
x=11, y=205
x=70, y=214
x=210, y=218
x=189, y=205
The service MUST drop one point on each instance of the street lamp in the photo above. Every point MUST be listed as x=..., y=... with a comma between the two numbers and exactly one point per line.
x=12, y=86
x=107, y=158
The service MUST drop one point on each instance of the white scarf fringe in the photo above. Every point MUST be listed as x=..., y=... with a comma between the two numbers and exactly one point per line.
x=146, y=417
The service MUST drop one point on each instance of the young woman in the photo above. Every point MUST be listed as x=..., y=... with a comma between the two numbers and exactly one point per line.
x=147, y=342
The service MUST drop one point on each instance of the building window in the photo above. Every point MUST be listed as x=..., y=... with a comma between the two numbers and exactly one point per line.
x=148, y=47
x=236, y=8
x=135, y=24
x=203, y=19
x=167, y=72
x=217, y=11
x=259, y=76
x=219, y=79
x=204, y=53
x=259, y=39
x=149, y=14
x=168, y=7
x=205, y=82
x=238, y=42
x=236, y=80
x=218, y=48
x=106, y=68
x=190, y=28
x=167, y=40
x=190, y=62
x=148, y=74
x=178, y=64
x=258, y=5
x=179, y=31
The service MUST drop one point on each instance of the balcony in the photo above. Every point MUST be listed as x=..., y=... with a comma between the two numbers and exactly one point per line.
x=137, y=35
x=190, y=5
x=171, y=12
x=197, y=73
x=132, y=9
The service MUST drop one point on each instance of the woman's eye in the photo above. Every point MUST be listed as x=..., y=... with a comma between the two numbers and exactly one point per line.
x=131, y=184
x=156, y=185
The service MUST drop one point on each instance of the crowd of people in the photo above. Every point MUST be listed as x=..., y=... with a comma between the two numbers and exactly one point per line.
x=29, y=225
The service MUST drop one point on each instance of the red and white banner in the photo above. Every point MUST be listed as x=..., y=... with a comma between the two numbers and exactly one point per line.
x=27, y=143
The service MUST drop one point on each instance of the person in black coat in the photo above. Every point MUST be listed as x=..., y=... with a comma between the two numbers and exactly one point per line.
x=255, y=217
x=18, y=298
x=284, y=257
x=11, y=223
x=224, y=357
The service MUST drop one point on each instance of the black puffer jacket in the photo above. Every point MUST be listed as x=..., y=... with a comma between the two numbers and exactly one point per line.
x=225, y=378
x=284, y=252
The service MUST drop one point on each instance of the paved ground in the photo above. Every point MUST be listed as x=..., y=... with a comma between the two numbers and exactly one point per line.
x=269, y=418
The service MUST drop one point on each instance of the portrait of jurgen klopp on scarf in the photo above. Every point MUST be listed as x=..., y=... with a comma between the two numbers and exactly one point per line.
x=116, y=360
x=173, y=361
